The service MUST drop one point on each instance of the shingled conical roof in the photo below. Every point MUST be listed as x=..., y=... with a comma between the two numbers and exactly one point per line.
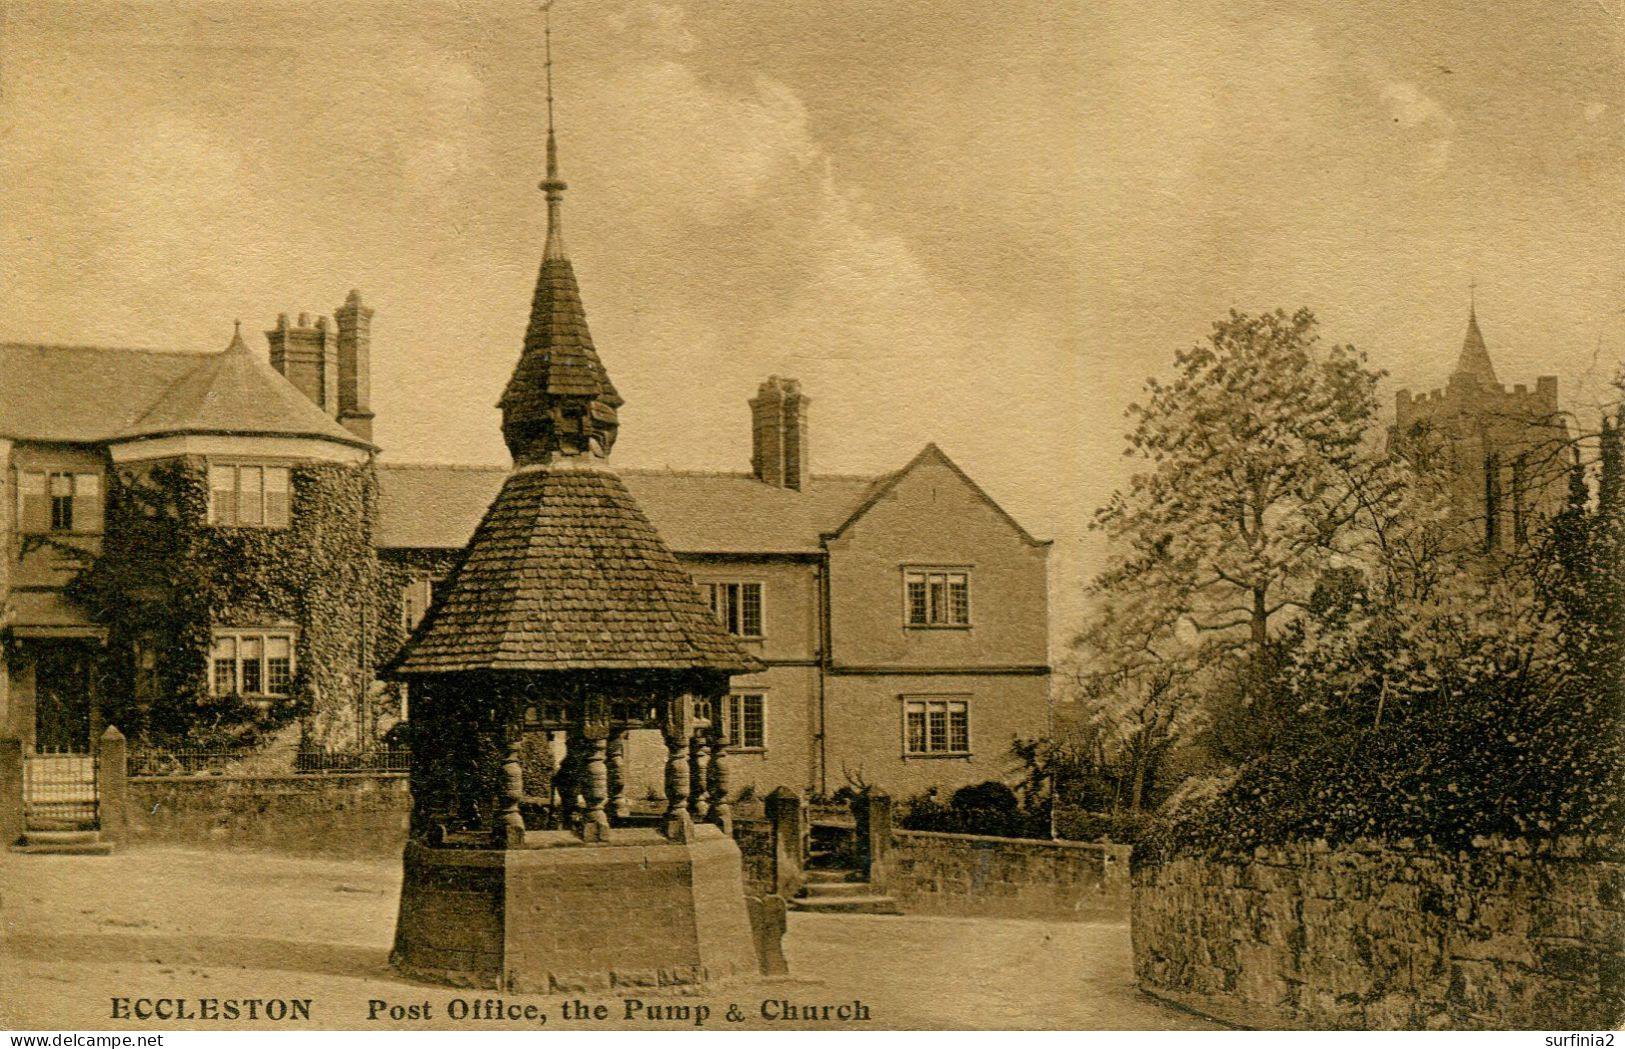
x=1474, y=361
x=565, y=572
x=560, y=396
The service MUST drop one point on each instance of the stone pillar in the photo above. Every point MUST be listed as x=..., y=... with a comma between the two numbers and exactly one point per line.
x=113, y=787
x=717, y=782
x=789, y=858
x=509, y=831
x=12, y=822
x=619, y=807
x=595, y=778
x=677, y=727
x=699, y=762
x=873, y=812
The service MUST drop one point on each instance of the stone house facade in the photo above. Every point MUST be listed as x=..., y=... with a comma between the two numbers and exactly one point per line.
x=901, y=619
x=162, y=519
x=188, y=534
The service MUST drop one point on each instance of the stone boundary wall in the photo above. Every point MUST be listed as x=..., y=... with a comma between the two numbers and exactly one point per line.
x=1386, y=936
x=335, y=814
x=972, y=875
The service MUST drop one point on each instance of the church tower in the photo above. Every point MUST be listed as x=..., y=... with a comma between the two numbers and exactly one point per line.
x=1500, y=450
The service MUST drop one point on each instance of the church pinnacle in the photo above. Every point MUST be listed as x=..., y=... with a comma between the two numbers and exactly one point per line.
x=559, y=401
x=1474, y=361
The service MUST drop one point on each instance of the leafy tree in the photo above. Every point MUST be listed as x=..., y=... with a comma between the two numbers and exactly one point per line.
x=1258, y=478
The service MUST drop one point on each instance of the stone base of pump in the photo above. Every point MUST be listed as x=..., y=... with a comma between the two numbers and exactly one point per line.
x=557, y=915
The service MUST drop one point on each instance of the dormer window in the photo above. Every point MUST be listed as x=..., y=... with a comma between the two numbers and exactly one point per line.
x=248, y=495
x=59, y=501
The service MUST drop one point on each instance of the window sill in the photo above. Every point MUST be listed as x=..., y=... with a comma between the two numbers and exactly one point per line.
x=746, y=750
x=961, y=754
x=936, y=626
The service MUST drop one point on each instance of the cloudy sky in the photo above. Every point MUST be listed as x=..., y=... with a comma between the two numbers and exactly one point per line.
x=978, y=224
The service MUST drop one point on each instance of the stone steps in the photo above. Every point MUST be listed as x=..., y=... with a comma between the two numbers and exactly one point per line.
x=844, y=904
x=45, y=842
x=833, y=890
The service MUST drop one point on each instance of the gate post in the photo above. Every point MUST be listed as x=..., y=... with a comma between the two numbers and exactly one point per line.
x=784, y=813
x=113, y=787
x=872, y=811
x=12, y=817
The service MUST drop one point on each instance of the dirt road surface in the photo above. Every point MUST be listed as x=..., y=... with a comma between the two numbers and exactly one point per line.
x=78, y=934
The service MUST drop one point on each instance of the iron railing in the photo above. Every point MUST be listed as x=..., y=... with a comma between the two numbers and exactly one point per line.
x=373, y=759
x=60, y=787
x=224, y=761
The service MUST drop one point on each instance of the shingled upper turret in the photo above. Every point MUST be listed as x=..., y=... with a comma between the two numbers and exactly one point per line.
x=560, y=399
x=565, y=573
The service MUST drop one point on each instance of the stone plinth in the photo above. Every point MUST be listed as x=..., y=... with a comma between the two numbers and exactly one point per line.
x=558, y=915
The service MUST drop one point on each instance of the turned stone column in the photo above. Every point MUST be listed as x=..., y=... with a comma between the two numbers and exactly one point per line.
x=717, y=782
x=510, y=823
x=619, y=807
x=699, y=761
x=676, y=728
x=595, y=768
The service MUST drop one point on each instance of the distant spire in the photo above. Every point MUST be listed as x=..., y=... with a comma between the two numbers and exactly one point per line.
x=1474, y=362
x=553, y=186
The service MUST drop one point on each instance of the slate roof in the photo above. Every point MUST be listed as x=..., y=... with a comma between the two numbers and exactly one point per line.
x=94, y=395
x=565, y=572
x=235, y=391
x=436, y=506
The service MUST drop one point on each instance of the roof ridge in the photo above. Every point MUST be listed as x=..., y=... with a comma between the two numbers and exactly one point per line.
x=12, y=344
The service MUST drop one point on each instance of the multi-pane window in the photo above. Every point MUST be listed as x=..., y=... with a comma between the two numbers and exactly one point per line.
x=253, y=663
x=737, y=606
x=936, y=726
x=936, y=597
x=746, y=722
x=59, y=501
x=251, y=496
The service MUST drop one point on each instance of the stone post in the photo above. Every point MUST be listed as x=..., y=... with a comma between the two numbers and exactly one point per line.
x=717, y=782
x=113, y=787
x=619, y=807
x=873, y=815
x=677, y=727
x=699, y=761
x=784, y=812
x=12, y=823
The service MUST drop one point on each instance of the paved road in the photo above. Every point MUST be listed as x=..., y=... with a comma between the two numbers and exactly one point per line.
x=169, y=923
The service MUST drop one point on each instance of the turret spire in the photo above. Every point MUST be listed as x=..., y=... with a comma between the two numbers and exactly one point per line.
x=553, y=186
x=1474, y=362
x=559, y=400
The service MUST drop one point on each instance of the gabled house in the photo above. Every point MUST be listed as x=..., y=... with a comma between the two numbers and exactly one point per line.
x=901, y=619
x=198, y=537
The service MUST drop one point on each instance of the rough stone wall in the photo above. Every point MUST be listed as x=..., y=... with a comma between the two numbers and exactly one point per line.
x=1382, y=936
x=334, y=815
x=972, y=875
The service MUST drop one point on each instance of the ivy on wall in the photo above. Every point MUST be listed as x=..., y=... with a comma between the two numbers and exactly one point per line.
x=166, y=578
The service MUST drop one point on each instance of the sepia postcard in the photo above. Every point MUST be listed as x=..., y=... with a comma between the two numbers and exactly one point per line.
x=900, y=515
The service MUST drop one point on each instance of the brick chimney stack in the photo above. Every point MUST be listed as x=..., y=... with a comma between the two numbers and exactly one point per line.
x=779, y=434
x=307, y=354
x=355, y=366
